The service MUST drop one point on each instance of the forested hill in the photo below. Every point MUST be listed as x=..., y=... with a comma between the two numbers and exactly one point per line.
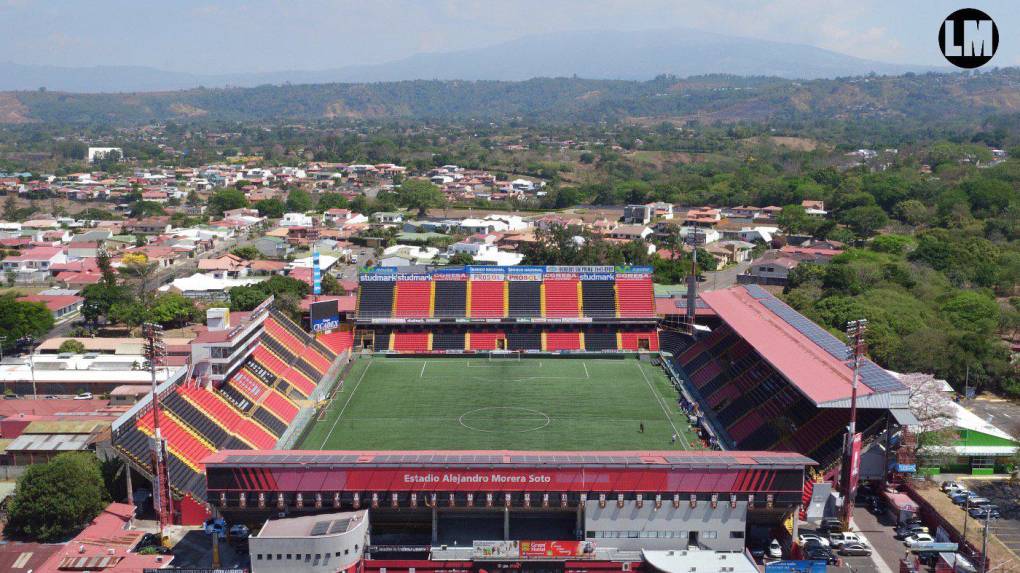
x=911, y=98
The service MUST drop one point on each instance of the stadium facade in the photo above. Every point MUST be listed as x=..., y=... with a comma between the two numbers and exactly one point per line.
x=766, y=386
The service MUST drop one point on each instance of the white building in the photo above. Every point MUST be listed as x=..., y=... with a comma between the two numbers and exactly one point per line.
x=296, y=220
x=323, y=543
x=100, y=152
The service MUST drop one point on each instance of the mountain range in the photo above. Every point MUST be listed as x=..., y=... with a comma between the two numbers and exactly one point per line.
x=610, y=55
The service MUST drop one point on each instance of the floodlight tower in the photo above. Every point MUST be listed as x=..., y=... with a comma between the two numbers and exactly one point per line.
x=855, y=349
x=155, y=354
x=692, y=280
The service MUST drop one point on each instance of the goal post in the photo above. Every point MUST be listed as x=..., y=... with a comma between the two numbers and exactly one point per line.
x=504, y=355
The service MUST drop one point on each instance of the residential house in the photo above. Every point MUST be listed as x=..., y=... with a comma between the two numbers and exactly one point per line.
x=772, y=269
x=387, y=218
x=60, y=306
x=296, y=220
x=33, y=264
x=148, y=226
x=637, y=214
x=630, y=232
x=226, y=266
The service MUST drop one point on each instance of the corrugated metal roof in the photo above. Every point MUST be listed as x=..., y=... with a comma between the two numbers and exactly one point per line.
x=48, y=443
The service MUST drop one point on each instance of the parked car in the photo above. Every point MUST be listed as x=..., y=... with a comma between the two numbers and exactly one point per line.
x=830, y=524
x=977, y=502
x=855, y=549
x=904, y=532
x=775, y=550
x=819, y=553
x=239, y=531
x=216, y=525
x=838, y=539
x=949, y=484
x=804, y=538
x=914, y=540
x=961, y=498
x=980, y=512
x=956, y=490
x=84, y=396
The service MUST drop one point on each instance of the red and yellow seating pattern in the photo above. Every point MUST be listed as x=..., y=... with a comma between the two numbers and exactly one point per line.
x=635, y=298
x=486, y=299
x=220, y=411
x=182, y=442
x=561, y=298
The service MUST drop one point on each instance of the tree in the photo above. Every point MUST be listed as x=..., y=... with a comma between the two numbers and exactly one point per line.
x=332, y=286
x=172, y=310
x=332, y=201
x=794, y=220
x=138, y=266
x=421, y=195
x=11, y=207
x=299, y=201
x=246, y=252
x=19, y=318
x=225, y=200
x=865, y=220
x=71, y=346
x=973, y=311
x=58, y=498
x=272, y=208
x=462, y=259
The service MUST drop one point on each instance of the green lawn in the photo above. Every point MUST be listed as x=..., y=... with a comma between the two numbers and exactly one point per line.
x=527, y=404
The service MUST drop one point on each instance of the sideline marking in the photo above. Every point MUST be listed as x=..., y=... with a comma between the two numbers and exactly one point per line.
x=422, y=375
x=658, y=400
x=347, y=403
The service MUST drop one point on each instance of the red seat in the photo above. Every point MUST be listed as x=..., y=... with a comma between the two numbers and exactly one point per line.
x=486, y=340
x=635, y=297
x=413, y=299
x=228, y=417
x=561, y=299
x=631, y=340
x=411, y=341
x=562, y=341
x=487, y=299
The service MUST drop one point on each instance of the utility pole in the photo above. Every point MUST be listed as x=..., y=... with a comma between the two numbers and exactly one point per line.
x=855, y=330
x=30, y=343
x=984, y=541
x=155, y=354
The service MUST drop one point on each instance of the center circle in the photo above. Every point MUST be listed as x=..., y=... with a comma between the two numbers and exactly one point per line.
x=504, y=419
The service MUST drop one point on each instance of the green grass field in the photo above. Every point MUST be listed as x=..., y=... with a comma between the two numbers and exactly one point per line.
x=527, y=404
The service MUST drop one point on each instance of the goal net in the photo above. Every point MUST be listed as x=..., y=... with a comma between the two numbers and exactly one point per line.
x=503, y=355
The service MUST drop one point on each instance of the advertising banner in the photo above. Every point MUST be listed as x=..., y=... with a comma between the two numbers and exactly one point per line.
x=554, y=549
x=325, y=315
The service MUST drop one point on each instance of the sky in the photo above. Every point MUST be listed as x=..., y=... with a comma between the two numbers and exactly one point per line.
x=231, y=36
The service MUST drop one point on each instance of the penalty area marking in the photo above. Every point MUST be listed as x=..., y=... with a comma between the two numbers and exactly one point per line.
x=541, y=418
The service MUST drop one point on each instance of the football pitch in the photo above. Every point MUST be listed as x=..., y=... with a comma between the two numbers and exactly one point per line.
x=514, y=404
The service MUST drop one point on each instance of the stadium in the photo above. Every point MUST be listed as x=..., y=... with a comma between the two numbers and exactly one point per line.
x=473, y=404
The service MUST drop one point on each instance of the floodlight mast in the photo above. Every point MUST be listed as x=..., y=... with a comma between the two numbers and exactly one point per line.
x=155, y=355
x=855, y=349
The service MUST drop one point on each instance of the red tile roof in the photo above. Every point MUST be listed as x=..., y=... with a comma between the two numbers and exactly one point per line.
x=815, y=372
x=53, y=302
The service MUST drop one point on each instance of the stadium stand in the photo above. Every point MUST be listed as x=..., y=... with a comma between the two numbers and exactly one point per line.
x=601, y=339
x=521, y=339
x=637, y=340
x=251, y=408
x=448, y=340
x=375, y=298
x=228, y=417
x=410, y=341
x=486, y=340
x=556, y=340
x=599, y=298
x=560, y=298
x=487, y=299
x=412, y=299
x=451, y=299
x=635, y=297
x=759, y=403
x=525, y=298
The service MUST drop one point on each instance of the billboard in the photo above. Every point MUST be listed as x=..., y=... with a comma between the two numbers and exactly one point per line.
x=325, y=316
x=532, y=549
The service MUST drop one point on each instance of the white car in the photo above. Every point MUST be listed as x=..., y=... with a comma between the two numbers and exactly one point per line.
x=914, y=540
x=803, y=538
x=84, y=396
x=775, y=550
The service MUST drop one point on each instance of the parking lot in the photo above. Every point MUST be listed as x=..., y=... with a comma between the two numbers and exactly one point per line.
x=1007, y=498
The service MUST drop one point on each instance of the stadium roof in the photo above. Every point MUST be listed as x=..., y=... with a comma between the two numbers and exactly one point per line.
x=509, y=459
x=810, y=357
